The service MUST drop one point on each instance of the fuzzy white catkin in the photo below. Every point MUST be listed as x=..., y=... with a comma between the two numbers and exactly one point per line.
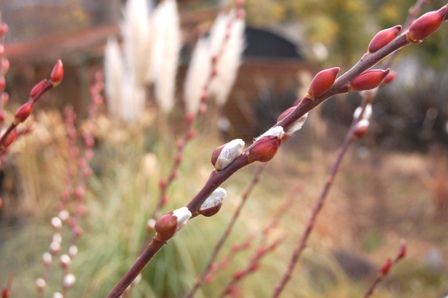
x=165, y=48
x=113, y=75
x=197, y=75
x=132, y=99
x=229, y=62
x=136, y=36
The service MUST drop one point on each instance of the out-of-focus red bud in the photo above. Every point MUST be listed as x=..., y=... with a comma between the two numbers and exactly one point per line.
x=3, y=29
x=2, y=50
x=191, y=134
x=426, y=24
x=2, y=83
x=264, y=149
x=322, y=82
x=383, y=37
x=39, y=89
x=369, y=79
x=361, y=128
x=10, y=138
x=402, y=252
x=5, y=65
x=57, y=73
x=166, y=226
x=2, y=116
x=4, y=99
x=386, y=267
x=5, y=293
x=390, y=77
x=23, y=112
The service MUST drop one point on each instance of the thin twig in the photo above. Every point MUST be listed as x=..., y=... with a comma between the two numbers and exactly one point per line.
x=218, y=246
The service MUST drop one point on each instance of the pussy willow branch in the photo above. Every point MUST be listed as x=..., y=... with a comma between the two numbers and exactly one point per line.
x=413, y=12
x=191, y=119
x=218, y=177
x=349, y=137
x=218, y=246
x=385, y=269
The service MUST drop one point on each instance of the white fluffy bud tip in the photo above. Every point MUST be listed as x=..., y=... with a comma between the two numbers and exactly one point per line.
x=55, y=247
x=182, y=215
x=73, y=250
x=276, y=131
x=69, y=280
x=213, y=203
x=151, y=223
x=58, y=295
x=63, y=215
x=47, y=258
x=367, y=112
x=56, y=222
x=41, y=284
x=297, y=125
x=229, y=153
x=65, y=260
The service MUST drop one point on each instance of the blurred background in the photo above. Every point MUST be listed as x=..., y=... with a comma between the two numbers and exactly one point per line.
x=392, y=184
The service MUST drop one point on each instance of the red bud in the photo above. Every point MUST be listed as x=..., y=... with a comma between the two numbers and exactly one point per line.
x=210, y=211
x=2, y=50
x=166, y=226
x=2, y=116
x=361, y=128
x=426, y=24
x=5, y=65
x=383, y=37
x=23, y=112
x=3, y=29
x=402, y=252
x=57, y=73
x=323, y=81
x=264, y=149
x=2, y=83
x=369, y=79
x=386, y=267
x=5, y=293
x=390, y=77
x=215, y=154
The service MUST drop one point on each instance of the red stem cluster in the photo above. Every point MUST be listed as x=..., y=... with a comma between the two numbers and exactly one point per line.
x=385, y=269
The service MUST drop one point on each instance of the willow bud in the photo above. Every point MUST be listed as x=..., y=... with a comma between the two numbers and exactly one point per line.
x=426, y=24
x=322, y=82
x=213, y=203
x=227, y=153
x=383, y=37
x=23, y=112
x=57, y=73
x=369, y=79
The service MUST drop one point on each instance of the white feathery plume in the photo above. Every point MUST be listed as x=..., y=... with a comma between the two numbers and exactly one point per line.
x=197, y=75
x=132, y=99
x=136, y=33
x=166, y=44
x=230, y=59
x=113, y=69
x=229, y=62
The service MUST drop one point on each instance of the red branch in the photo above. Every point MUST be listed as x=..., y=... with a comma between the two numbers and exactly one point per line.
x=306, y=104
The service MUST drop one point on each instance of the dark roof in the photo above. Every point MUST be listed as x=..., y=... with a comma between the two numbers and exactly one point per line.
x=262, y=43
